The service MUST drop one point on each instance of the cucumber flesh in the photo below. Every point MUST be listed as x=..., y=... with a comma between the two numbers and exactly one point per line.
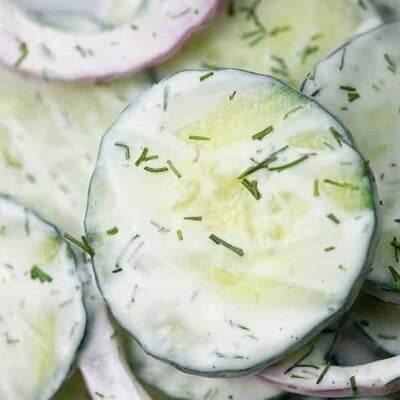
x=236, y=268
x=177, y=384
x=380, y=323
x=360, y=84
x=281, y=38
x=48, y=142
x=42, y=315
x=152, y=34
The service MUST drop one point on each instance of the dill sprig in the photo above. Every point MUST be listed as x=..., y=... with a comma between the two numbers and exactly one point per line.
x=206, y=76
x=290, y=165
x=218, y=241
x=333, y=218
x=343, y=185
x=126, y=148
x=196, y=218
x=156, y=170
x=24, y=51
x=252, y=187
x=37, y=273
x=391, y=65
x=261, y=135
x=323, y=373
x=173, y=169
x=262, y=164
x=84, y=245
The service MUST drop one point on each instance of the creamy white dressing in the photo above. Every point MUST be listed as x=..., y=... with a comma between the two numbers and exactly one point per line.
x=201, y=305
x=281, y=38
x=42, y=318
x=371, y=65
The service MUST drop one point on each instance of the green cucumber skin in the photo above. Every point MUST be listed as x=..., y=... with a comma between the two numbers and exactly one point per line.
x=352, y=295
x=72, y=366
x=374, y=288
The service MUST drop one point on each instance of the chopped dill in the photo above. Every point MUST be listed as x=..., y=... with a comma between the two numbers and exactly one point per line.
x=112, y=231
x=290, y=165
x=142, y=157
x=333, y=218
x=156, y=170
x=232, y=95
x=219, y=241
x=353, y=384
x=316, y=188
x=165, y=98
x=391, y=65
x=252, y=187
x=206, y=76
x=263, y=164
x=37, y=273
x=292, y=111
x=323, y=373
x=84, y=245
x=126, y=149
x=196, y=137
x=199, y=219
x=179, y=234
x=261, y=135
x=337, y=136
x=24, y=51
x=343, y=185
x=173, y=169
x=308, y=51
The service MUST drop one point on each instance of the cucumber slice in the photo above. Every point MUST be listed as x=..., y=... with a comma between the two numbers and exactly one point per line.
x=149, y=36
x=281, y=38
x=177, y=384
x=42, y=315
x=239, y=259
x=49, y=135
x=380, y=323
x=360, y=84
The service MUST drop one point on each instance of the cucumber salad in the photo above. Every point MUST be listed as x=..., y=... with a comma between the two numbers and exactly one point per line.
x=199, y=199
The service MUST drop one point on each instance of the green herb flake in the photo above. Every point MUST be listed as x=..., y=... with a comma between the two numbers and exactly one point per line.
x=84, y=245
x=333, y=218
x=261, y=135
x=112, y=231
x=232, y=95
x=303, y=357
x=24, y=51
x=386, y=337
x=252, y=187
x=343, y=185
x=179, y=234
x=316, y=188
x=353, y=384
x=166, y=98
x=116, y=270
x=362, y=5
x=391, y=65
x=206, y=76
x=307, y=52
x=396, y=246
x=142, y=157
x=337, y=136
x=196, y=137
x=219, y=241
x=126, y=149
x=199, y=219
x=134, y=27
x=279, y=29
x=323, y=373
x=262, y=164
x=395, y=275
x=330, y=248
x=292, y=111
x=37, y=273
x=156, y=170
x=289, y=165
x=173, y=169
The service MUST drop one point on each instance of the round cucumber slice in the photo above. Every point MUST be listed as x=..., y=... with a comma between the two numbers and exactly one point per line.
x=235, y=203
x=42, y=315
x=281, y=38
x=153, y=33
x=177, y=384
x=360, y=84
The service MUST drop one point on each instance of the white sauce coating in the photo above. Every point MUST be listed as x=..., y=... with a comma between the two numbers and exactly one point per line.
x=281, y=38
x=201, y=305
x=42, y=318
x=360, y=83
